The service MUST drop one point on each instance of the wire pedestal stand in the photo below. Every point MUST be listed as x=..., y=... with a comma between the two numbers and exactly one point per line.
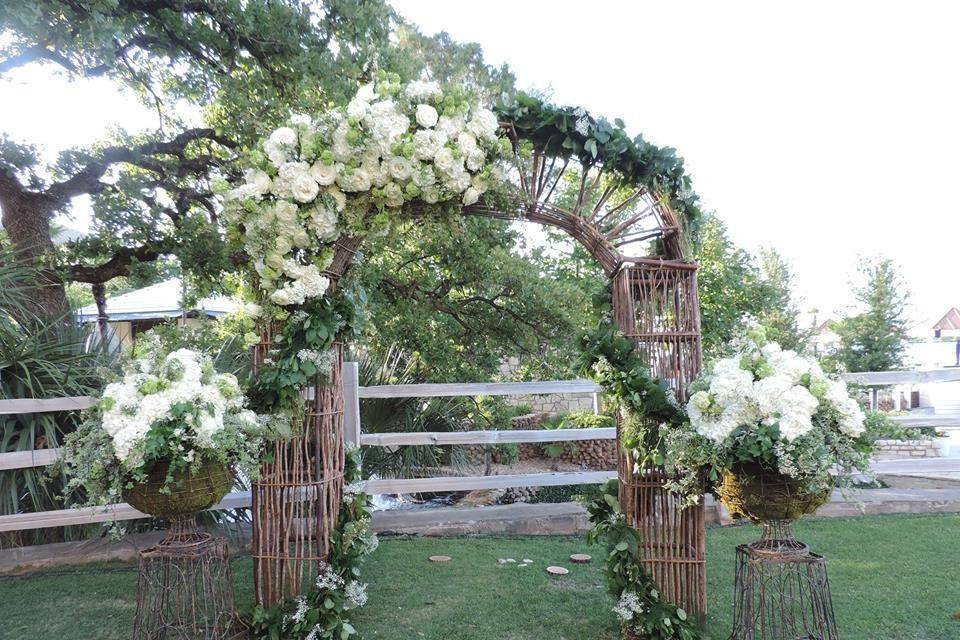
x=184, y=588
x=781, y=590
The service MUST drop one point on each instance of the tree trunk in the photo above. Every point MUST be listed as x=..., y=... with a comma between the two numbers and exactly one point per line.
x=26, y=220
x=100, y=297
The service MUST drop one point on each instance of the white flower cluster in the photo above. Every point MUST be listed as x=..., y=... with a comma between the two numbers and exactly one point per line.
x=180, y=390
x=628, y=606
x=356, y=593
x=322, y=360
x=327, y=578
x=315, y=178
x=766, y=385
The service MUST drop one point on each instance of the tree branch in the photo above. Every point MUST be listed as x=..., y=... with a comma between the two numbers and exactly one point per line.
x=118, y=264
x=87, y=180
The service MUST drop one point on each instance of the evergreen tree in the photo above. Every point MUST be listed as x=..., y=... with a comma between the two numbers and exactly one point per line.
x=875, y=338
x=779, y=312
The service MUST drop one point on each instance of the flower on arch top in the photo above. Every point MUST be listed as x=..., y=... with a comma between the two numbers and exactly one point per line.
x=349, y=170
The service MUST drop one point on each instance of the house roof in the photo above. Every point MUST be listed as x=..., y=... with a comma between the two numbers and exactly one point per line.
x=949, y=322
x=161, y=300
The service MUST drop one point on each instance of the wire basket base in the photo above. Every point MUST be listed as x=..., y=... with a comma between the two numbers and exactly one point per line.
x=782, y=596
x=185, y=589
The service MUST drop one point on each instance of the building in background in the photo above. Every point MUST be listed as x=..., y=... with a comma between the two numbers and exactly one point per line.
x=134, y=312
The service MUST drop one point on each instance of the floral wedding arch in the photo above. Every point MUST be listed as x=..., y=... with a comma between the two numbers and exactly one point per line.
x=317, y=187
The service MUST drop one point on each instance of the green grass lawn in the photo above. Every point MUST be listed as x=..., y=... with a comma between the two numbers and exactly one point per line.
x=893, y=578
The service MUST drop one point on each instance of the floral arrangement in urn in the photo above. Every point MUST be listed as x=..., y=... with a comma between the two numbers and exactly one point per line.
x=165, y=437
x=767, y=427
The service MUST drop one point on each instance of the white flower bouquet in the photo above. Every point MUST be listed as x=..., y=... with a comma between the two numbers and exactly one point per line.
x=349, y=170
x=170, y=419
x=767, y=420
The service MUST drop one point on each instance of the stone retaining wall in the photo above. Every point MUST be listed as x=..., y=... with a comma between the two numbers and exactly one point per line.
x=598, y=455
x=890, y=449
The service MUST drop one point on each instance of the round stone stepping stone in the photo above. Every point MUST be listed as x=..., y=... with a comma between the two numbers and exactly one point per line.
x=580, y=558
x=557, y=571
x=527, y=561
x=440, y=558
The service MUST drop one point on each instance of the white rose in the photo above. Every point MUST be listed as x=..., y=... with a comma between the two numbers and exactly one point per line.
x=399, y=168
x=304, y=188
x=426, y=116
x=393, y=194
x=470, y=196
x=258, y=179
x=466, y=142
x=446, y=162
x=366, y=93
x=324, y=174
x=431, y=194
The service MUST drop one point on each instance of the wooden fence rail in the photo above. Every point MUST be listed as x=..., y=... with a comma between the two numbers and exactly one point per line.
x=353, y=393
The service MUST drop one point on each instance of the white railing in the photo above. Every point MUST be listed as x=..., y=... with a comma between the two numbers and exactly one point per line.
x=876, y=379
x=468, y=483
x=353, y=393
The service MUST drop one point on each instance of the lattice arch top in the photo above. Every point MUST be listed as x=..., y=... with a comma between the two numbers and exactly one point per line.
x=617, y=196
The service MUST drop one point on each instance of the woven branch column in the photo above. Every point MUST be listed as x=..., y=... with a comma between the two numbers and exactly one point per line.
x=657, y=306
x=296, y=501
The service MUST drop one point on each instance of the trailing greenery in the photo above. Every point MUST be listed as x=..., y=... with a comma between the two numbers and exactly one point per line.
x=645, y=403
x=640, y=607
x=323, y=612
x=169, y=411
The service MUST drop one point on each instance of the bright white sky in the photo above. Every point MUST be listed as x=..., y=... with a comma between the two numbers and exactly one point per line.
x=828, y=130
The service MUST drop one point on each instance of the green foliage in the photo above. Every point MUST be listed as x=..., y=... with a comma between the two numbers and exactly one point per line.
x=880, y=427
x=567, y=132
x=779, y=313
x=323, y=612
x=732, y=287
x=626, y=575
x=39, y=358
x=457, y=293
x=312, y=328
x=573, y=420
x=875, y=338
x=646, y=404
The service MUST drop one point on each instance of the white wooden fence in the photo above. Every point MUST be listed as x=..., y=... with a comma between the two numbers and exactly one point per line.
x=353, y=393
